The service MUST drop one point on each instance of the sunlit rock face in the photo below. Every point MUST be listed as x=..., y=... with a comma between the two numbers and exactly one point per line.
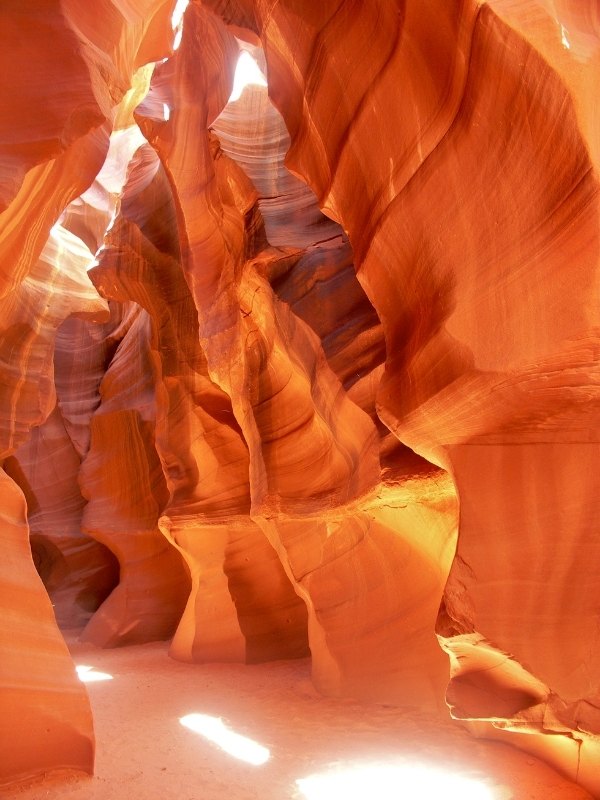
x=46, y=721
x=65, y=68
x=474, y=225
x=77, y=573
x=259, y=355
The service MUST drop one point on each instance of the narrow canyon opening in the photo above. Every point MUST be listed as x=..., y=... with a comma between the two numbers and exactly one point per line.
x=298, y=400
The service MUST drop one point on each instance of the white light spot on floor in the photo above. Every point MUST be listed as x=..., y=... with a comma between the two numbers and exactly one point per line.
x=90, y=675
x=564, y=38
x=390, y=782
x=238, y=746
x=166, y=111
x=247, y=72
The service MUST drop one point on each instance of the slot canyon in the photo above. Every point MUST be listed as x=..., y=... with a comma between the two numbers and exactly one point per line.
x=300, y=399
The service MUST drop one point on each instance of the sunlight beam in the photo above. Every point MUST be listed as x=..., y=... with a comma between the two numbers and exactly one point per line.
x=177, y=21
x=215, y=730
x=178, y=12
x=247, y=72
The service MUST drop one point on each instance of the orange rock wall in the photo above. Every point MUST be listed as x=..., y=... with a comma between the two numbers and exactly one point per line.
x=474, y=225
x=63, y=75
x=46, y=721
x=263, y=421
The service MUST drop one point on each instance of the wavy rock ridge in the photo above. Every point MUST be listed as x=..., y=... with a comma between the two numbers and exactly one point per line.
x=312, y=371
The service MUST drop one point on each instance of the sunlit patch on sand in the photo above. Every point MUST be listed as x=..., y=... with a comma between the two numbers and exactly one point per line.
x=247, y=71
x=215, y=730
x=390, y=782
x=90, y=675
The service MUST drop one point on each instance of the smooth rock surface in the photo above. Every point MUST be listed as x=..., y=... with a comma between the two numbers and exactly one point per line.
x=317, y=365
x=46, y=720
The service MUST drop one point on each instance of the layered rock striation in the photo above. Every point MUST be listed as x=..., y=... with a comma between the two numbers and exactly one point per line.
x=313, y=370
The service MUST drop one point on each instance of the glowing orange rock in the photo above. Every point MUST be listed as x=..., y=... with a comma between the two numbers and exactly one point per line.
x=46, y=720
x=296, y=394
x=78, y=573
x=242, y=606
x=53, y=140
x=312, y=452
x=474, y=228
x=124, y=502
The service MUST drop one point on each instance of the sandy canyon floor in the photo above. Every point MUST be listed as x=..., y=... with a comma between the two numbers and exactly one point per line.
x=144, y=752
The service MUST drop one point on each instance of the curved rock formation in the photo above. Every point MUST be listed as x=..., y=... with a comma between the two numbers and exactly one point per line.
x=318, y=281
x=482, y=193
x=124, y=502
x=58, y=96
x=187, y=422
x=78, y=573
x=46, y=720
x=311, y=449
x=270, y=415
